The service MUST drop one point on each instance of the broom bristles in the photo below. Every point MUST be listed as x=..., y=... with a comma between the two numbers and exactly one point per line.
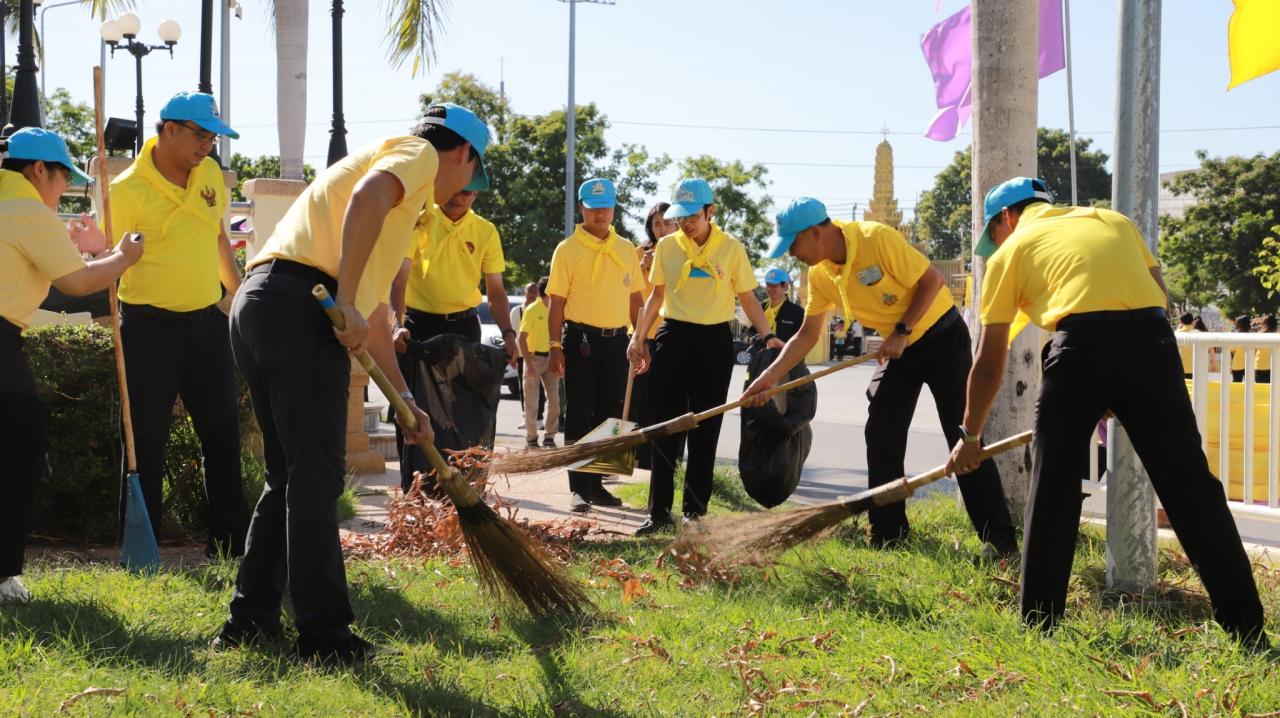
x=512, y=567
x=761, y=537
x=537, y=460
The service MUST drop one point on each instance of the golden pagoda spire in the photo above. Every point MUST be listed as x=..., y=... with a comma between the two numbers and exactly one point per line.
x=884, y=207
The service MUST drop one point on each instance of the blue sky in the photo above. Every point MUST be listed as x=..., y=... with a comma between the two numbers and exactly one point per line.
x=825, y=76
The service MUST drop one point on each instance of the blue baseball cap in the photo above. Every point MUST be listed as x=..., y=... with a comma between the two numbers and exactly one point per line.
x=800, y=214
x=777, y=275
x=470, y=128
x=1006, y=194
x=197, y=107
x=35, y=143
x=598, y=193
x=690, y=197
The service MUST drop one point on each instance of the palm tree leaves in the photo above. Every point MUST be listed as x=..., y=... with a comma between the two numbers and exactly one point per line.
x=412, y=26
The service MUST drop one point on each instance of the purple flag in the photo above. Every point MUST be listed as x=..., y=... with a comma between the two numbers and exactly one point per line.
x=948, y=51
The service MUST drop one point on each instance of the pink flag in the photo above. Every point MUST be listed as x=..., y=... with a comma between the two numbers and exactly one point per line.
x=948, y=50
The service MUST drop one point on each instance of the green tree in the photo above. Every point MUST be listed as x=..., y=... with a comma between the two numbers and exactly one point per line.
x=1220, y=241
x=74, y=121
x=526, y=197
x=247, y=168
x=737, y=212
x=944, y=217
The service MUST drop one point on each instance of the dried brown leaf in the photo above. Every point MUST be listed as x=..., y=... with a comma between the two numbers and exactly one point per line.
x=73, y=699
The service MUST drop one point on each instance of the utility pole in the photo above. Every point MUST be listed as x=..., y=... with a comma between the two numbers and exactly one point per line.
x=1005, y=87
x=571, y=116
x=1135, y=187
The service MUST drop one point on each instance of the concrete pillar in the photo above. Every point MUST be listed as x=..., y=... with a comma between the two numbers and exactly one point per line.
x=1135, y=188
x=1005, y=43
x=361, y=459
x=271, y=198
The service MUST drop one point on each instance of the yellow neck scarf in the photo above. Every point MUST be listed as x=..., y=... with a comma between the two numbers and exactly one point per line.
x=202, y=185
x=605, y=248
x=699, y=257
x=771, y=315
x=432, y=223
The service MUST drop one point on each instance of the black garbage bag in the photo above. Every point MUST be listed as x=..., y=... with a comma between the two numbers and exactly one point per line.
x=776, y=437
x=458, y=383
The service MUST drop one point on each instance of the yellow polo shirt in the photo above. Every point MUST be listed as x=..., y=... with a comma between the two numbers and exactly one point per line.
x=34, y=249
x=877, y=281
x=1184, y=350
x=1263, y=359
x=179, y=270
x=1069, y=260
x=311, y=231
x=702, y=283
x=596, y=278
x=533, y=323
x=448, y=260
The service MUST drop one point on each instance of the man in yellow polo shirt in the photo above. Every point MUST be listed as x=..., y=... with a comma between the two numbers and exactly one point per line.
x=699, y=274
x=348, y=231
x=595, y=295
x=535, y=346
x=438, y=288
x=36, y=251
x=1087, y=275
x=869, y=270
x=174, y=336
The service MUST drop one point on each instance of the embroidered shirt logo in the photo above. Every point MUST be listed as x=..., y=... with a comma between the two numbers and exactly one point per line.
x=871, y=275
x=890, y=299
x=626, y=280
x=471, y=247
x=209, y=196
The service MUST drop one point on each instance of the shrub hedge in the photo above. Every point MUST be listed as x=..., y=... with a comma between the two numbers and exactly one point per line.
x=75, y=375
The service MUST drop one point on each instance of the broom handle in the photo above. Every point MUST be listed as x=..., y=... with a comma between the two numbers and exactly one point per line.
x=788, y=386
x=626, y=398
x=902, y=488
x=375, y=372
x=104, y=203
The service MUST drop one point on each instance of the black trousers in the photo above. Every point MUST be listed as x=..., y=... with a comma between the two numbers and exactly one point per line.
x=692, y=368
x=423, y=326
x=22, y=444
x=1146, y=391
x=595, y=379
x=940, y=359
x=298, y=376
x=186, y=354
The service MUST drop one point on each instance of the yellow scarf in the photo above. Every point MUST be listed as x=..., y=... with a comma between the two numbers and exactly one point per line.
x=771, y=315
x=429, y=251
x=699, y=257
x=203, y=184
x=602, y=248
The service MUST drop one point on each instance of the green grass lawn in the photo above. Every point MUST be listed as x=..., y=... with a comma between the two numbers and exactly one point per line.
x=835, y=628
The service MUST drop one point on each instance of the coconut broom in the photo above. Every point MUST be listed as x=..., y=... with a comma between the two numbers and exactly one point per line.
x=760, y=536
x=510, y=565
x=138, y=551
x=531, y=461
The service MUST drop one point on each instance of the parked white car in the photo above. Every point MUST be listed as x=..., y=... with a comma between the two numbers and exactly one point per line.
x=491, y=335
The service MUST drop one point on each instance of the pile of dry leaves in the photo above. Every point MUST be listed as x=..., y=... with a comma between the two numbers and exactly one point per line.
x=420, y=525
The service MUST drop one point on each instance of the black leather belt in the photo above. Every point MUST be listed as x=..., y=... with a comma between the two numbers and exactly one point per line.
x=452, y=317
x=593, y=331
x=1122, y=315
x=148, y=310
x=291, y=268
x=542, y=354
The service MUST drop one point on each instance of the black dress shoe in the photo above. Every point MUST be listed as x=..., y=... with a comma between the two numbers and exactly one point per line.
x=342, y=652
x=653, y=525
x=234, y=634
x=578, y=503
x=600, y=496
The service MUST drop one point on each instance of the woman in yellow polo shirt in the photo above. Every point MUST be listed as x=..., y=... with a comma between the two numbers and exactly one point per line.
x=698, y=274
x=36, y=251
x=656, y=226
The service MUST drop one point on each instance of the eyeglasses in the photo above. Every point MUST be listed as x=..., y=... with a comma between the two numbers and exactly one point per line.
x=689, y=219
x=203, y=136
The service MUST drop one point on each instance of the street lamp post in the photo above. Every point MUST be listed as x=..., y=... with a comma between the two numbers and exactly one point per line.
x=338, y=130
x=571, y=116
x=126, y=28
x=205, y=84
x=5, y=10
x=25, y=111
x=43, y=65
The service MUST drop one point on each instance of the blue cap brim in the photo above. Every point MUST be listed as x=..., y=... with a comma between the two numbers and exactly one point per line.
x=598, y=203
x=215, y=126
x=479, y=179
x=78, y=178
x=985, y=247
x=780, y=246
x=681, y=209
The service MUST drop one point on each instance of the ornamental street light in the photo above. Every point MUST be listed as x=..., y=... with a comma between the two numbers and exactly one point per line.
x=338, y=129
x=25, y=111
x=121, y=34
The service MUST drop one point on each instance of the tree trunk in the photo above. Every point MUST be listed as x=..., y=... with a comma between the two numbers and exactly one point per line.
x=291, y=84
x=1005, y=45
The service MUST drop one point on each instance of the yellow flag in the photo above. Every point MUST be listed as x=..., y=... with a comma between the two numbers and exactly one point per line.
x=1253, y=40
